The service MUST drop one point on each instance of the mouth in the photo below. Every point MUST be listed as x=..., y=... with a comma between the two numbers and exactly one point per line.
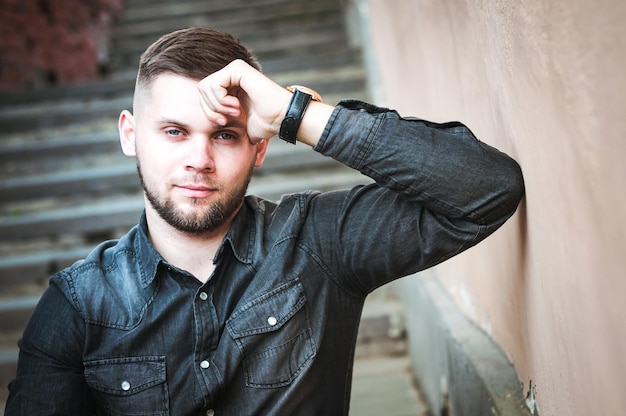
x=196, y=191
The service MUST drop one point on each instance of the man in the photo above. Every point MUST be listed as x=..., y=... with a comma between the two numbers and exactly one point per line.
x=220, y=303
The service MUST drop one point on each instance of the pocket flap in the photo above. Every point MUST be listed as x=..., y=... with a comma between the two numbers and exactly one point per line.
x=125, y=376
x=269, y=312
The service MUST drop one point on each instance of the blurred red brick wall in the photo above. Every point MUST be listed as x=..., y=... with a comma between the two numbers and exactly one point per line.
x=49, y=42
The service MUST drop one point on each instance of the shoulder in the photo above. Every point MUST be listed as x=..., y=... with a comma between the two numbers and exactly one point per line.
x=109, y=287
x=291, y=210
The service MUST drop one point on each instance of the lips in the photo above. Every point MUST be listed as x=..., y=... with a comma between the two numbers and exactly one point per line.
x=196, y=191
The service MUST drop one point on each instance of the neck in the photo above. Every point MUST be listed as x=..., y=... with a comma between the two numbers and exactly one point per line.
x=193, y=253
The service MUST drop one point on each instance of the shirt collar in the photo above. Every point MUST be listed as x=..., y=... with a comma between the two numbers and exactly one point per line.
x=240, y=237
x=148, y=258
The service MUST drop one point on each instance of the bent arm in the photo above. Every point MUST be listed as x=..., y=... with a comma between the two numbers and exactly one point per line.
x=444, y=167
x=438, y=191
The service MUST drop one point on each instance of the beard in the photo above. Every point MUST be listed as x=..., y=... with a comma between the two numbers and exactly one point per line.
x=204, y=218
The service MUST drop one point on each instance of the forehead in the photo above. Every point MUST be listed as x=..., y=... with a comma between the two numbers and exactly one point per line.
x=174, y=81
x=167, y=92
x=176, y=99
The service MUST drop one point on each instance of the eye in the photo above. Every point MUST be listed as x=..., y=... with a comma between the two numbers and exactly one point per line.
x=173, y=132
x=226, y=136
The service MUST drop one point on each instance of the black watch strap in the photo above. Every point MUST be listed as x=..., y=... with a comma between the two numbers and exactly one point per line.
x=295, y=112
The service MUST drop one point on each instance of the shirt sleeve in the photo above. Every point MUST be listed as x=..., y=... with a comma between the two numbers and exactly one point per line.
x=439, y=191
x=50, y=378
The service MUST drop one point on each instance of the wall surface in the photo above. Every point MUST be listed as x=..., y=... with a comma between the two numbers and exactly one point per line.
x=49, y=42
x=543, y=81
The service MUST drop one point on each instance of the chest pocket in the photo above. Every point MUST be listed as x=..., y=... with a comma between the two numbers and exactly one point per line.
x=274, y=336
x=129, y=386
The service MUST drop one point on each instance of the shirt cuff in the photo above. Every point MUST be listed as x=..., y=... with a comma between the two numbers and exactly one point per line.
x=350, y=131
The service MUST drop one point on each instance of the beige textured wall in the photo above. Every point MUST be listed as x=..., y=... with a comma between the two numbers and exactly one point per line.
x=544, y=81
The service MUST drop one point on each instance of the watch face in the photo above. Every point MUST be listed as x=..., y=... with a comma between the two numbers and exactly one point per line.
x=315, y=96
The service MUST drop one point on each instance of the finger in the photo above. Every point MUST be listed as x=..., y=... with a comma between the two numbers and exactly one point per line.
x=213, y=116
x=218, y=104
x=255, y=140
x=218, y=98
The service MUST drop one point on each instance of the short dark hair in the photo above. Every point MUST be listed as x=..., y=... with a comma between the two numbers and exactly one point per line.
x=193, y=53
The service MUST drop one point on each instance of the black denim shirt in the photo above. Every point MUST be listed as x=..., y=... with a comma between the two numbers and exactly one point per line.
x=273, y=330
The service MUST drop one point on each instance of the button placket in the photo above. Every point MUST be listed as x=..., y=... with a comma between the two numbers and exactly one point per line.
x=206, y=337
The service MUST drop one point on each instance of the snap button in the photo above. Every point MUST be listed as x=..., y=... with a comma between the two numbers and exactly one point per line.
x=210, y=412
x=125, y=385
x=272, y=321
x=205, y=364
x=204, y=296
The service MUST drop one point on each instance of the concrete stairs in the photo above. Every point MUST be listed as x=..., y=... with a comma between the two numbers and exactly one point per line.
x=65, y=185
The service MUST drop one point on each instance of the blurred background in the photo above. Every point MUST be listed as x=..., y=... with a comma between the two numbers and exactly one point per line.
x=529, y=322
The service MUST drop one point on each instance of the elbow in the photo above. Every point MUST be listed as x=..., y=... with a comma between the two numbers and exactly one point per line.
x=507, y=200
x=516, y=187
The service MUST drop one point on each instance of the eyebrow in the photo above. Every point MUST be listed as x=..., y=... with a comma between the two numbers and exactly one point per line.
x=232, y=123
x=171, y=121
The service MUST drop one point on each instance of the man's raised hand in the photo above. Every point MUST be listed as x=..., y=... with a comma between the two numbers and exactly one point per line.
x=239, y=88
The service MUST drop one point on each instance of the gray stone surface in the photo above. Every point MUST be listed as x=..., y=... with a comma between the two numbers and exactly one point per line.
x=383, y=385
x=460, y=369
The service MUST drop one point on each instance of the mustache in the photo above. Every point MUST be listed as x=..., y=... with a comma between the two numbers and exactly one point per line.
x=198, y=180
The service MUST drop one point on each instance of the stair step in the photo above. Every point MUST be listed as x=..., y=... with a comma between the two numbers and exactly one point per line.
x=268, y=15
x=271, y=28
x=91, y=181
x=136, y=11
x=54, y=156
x=289, y=45
x=383, y=328
x=51, y=115
x=33, y=269
x=37, y=149
x=113, y=86
x=91, y=217
x=259, y=36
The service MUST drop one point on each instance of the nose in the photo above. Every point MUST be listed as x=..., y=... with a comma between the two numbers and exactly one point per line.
x=200, y=154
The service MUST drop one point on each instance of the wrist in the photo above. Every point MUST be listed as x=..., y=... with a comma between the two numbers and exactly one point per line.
x=314, y=122
x=295, y=112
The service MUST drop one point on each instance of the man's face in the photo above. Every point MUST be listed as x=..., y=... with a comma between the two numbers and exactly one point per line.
x=194, y=173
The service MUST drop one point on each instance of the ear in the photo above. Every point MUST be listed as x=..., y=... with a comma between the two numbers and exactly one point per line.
x=261, y=148
x=126, y=127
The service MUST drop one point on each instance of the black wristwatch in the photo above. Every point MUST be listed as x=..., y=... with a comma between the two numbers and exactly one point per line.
x=302, y=96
